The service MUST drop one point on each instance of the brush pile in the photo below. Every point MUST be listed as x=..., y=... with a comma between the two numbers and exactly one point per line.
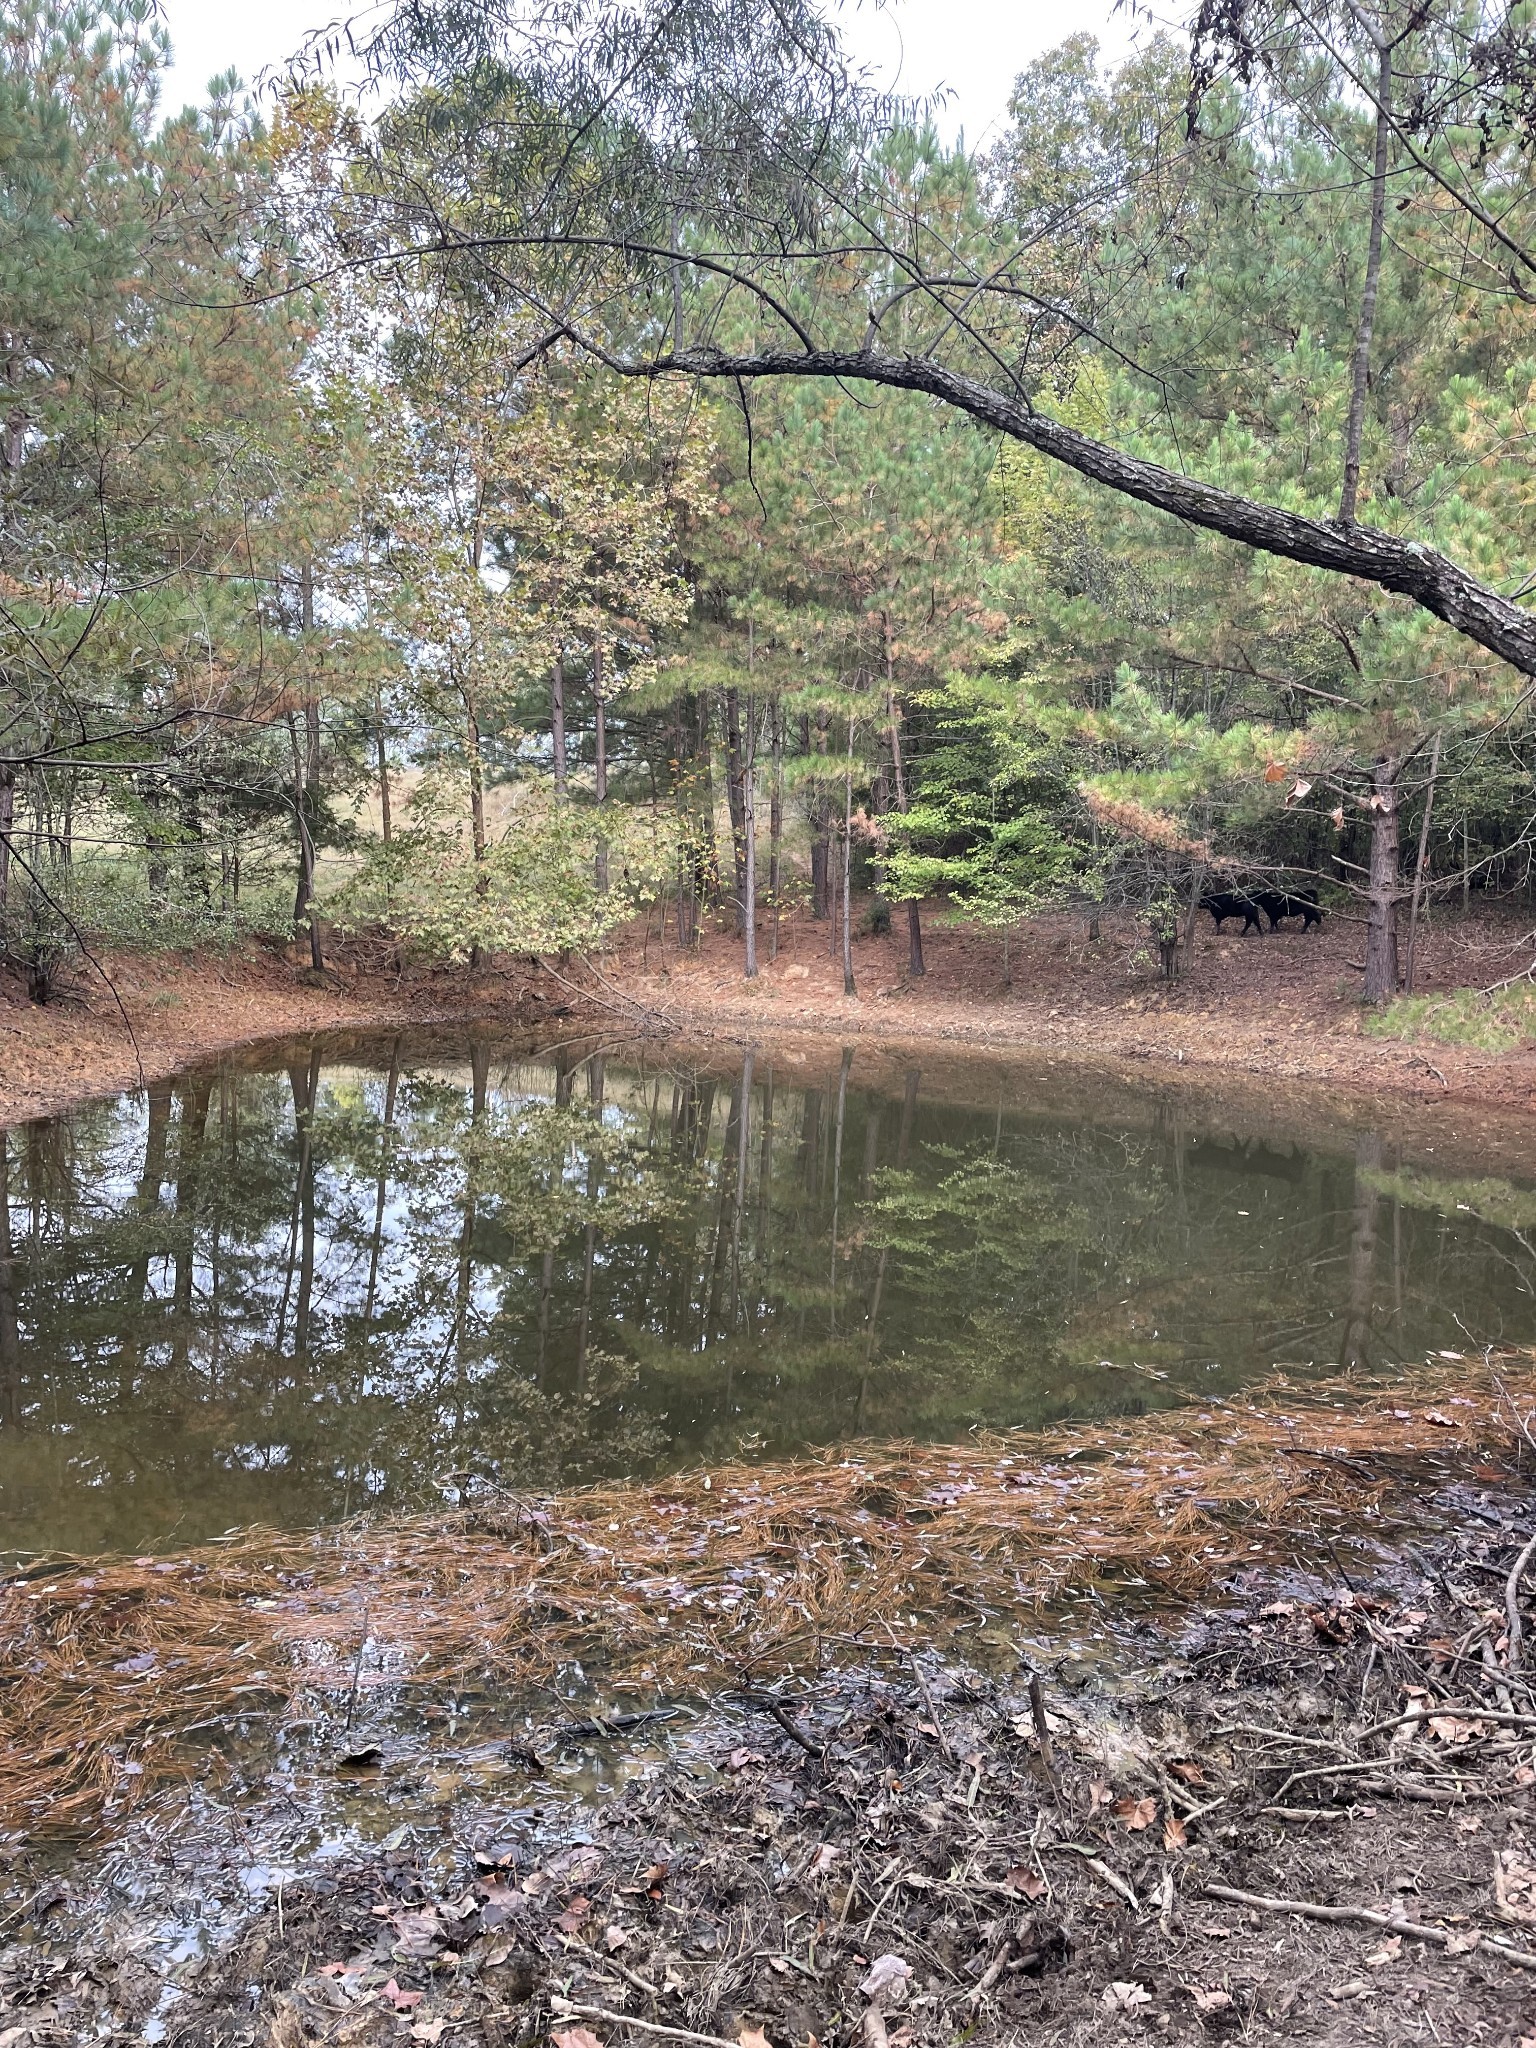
x=682, y=1585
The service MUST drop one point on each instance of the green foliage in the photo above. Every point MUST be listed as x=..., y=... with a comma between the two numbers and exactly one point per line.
x=1462, y=1016
x=533, y=890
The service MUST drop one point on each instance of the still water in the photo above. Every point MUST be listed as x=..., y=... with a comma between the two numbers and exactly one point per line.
x=389, y=1271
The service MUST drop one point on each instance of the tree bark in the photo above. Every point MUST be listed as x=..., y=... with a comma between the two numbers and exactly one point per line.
x=775, y=824
x=7, y=821
x=1409, y=568
x=1420, y=864
x=303, y=904
x=386, y=821
x=749, y=844
x=735, y=797
x=916, y=966
x=848, y=987
x=821, y=830
x=1384, y=887
x=1361, y=375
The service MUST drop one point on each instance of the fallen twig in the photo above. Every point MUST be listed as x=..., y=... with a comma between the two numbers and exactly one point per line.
x=1512, y=1602
x=564, y=2008
x=1362, y=1916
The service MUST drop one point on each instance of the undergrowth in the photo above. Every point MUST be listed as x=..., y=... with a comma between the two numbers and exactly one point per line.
x=1462, y=1016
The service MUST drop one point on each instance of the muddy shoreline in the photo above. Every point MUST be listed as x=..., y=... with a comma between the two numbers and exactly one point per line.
x=885, y=1852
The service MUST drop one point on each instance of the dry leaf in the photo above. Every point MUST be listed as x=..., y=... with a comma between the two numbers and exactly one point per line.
x=1299, y=789
x=575, y=2037
x=1174, y=1835
x=614, y=1937
x=1463, y=1944
x=1136, y=1813
x=1444, y=1421
x=1450, y=1729
x=402, y=2001
x=1098, y=1795
x=1187, y=1773
x=430, y=2031
x=884, y=1973
x=1390, y=1952
x=1210, y=2001
x=753, y=2037
x=1028, y=1882
x=824, y=1859
x=739, y=1759
x=1336, y=818
x=571, y=1919
x=1126, y=1997
x=1275, y=772
x=1514, y=1884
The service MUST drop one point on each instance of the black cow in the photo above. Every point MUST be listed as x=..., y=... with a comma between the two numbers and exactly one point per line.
x=1234, y=903
x=1277, y=903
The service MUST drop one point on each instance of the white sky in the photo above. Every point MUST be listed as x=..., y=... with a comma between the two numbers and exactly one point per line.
x=974, y=47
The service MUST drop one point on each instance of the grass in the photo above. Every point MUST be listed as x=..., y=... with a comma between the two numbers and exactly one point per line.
x=1462, y=1016
x=702, y=1580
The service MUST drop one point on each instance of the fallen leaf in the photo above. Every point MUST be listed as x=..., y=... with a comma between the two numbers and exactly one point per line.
x=1450, y=1729
x=1210, y=2001
x=1514, y=1884
x=1336, y=818
x=430, y=2031
x=614, y=1937
x=739, y=1759
x=1136, y=1813
x=753, y=2037
x=1098, y=1795
x=1187, y=1773
x=1463, y=1944
x=1174, y=1835
x=575, y=2037
x=1442, y=1421
x=1126, y=1997
x=884, y=1972
x=402, y=2001
x=570, y=1921
x=1300, y=788
x=1026, y=1881
x=1275, y=771
x=1390, y=1952
x=824, y=1859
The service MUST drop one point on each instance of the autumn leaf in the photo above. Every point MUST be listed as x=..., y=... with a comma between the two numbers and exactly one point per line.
x=1298, y=790
x=1126, y=1997
x=1275, y=772
x=575, y=2037
x=1187, y=1773
x=753, y=2037
x=1336, y=818
x=1211, y=2001
x=1174, y=1835
x=402, y=2001
x=1026, y=1881
x=571, y=1919
x=1136, y=1813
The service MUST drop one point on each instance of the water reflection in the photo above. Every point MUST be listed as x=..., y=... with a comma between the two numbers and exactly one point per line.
x=387, y=1273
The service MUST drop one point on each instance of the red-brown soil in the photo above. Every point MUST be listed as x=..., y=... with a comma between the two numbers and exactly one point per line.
x=1282, y=1005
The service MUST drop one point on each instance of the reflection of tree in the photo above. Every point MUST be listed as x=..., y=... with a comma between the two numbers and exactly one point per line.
x=288, y=1293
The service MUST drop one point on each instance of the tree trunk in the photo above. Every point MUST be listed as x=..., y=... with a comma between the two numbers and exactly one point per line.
x=1383, y=890
x=775, y=825
x=848, y=987
x=600, y=765
x=1360, y=382
x=303, y=902
x=821, y=830
x=749, y=843
x=916, y=966
x=7, y=821
x=735, y=797
x=1420, y=864
x=557, y=722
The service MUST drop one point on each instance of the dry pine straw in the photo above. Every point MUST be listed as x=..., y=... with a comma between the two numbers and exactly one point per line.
x=695, y=1580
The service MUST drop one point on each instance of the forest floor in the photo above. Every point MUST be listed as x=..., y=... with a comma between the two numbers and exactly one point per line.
x=1301, y=1809
x=1284, y=1005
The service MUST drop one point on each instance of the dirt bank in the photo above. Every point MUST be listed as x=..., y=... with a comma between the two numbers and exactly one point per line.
x=1282, y=1006
x=177, y=1008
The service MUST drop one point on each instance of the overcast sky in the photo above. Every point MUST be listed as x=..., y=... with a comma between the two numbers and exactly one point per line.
x=974, y=47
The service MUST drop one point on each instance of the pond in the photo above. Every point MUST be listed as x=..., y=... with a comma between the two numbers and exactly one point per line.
x=386, y=1272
